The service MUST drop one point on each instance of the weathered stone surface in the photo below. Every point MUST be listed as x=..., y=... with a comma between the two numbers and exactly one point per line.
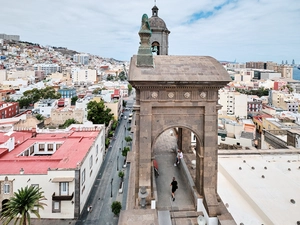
x=179, y=92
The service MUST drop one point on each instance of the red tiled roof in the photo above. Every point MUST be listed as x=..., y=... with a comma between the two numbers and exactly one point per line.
x=75, y=146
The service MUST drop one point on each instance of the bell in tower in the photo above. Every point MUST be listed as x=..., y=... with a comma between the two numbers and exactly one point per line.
x=160, y=34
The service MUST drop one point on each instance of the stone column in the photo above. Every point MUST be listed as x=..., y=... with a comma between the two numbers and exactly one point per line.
x=186, y=140
x=210, y=160
x=145, y=145
x=179, y=138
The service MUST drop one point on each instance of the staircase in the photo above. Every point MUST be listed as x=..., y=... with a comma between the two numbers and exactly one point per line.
x=178, y=217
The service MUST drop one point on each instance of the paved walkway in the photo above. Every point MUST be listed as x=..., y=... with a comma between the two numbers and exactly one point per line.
x=166, y=157
x=182, y=210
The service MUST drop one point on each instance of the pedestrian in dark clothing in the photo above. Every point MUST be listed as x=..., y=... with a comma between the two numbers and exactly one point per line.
x=174, y=187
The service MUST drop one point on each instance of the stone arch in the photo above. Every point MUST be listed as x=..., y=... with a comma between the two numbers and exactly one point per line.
x=157, y=134
x=178, y=91
x=199, y=152
x=156, y=45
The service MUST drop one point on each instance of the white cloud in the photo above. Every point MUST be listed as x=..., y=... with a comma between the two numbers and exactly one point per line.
x=245, y=30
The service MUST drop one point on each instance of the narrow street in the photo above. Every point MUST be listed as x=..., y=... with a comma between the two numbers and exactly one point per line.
x=106, y=186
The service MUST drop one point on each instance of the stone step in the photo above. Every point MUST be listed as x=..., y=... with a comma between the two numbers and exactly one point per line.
x=177, y=208
x=185, y=214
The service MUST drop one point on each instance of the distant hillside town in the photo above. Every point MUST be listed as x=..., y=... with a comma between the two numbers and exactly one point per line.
x=262, y=95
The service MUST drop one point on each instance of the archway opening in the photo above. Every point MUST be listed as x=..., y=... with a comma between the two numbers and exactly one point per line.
x=155, y=47
x=4, y=207
x=164, y=153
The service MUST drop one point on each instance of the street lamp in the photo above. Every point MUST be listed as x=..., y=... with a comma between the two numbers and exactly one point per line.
x=111, y=187
x=117, y=163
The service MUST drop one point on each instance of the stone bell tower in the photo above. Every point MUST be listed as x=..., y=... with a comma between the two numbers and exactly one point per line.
x=160, y=34
x=175, y=91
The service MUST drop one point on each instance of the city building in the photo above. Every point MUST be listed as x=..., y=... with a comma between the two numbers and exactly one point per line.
x=44, y=107
x=60, y=115
x=10, y=37
x=81, y=58
x=285, y=70
x=254, y=105
x=232, y=133
x=8, y=109
x=5, y=94
x=63, y=163
x=233, y=103
x=47, y=68
x=83, y=76
x=67, y=92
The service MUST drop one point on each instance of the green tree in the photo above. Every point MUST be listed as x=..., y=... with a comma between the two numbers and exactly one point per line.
x=114, y=125
x=110, y=133
x=107, y=142
x=25, y=201
x=98, y=113
x=39, y=117
x=122, y=76
x=68, y=122
x=24, y=102
x=34, y=95
x=125, y=151
x=128, y=139
x=73, y=100
x=116, y=207
x=121, y=174
x=129, y=88
x=49, y=92
x=109, y=77
x=124, y=103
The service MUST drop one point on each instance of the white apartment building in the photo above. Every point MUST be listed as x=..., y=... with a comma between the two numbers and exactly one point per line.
x=81, y=58
x=47, y=68
x=233, y=103
x=44, y=107
x=10, y=37
x=83, y=75
x=285, y=101
x=63, y=163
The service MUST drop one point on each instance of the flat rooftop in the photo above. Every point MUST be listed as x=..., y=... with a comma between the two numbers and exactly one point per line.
x=260, y=187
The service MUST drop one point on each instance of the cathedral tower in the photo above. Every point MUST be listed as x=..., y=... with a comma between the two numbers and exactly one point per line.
x=160, y=34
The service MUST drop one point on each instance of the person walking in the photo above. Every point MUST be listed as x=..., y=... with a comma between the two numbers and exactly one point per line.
x=174, y=185
x=178, y=157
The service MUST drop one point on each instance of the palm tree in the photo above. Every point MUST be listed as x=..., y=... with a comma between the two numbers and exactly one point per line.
x=24, y=202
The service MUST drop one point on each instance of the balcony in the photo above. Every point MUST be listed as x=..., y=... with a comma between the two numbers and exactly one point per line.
x=62, y=197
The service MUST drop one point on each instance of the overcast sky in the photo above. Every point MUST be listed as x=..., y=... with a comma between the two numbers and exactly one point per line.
x=241, y=30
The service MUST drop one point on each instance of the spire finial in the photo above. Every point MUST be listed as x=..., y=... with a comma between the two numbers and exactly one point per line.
x=154, y=2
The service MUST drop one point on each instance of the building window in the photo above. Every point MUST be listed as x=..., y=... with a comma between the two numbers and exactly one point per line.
x=83, y=176
x=64, y=188
x=50, y=147
x=41, y=147
x=91, y=161
x=58, y=146
x=6, y=188
x=55, y=206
